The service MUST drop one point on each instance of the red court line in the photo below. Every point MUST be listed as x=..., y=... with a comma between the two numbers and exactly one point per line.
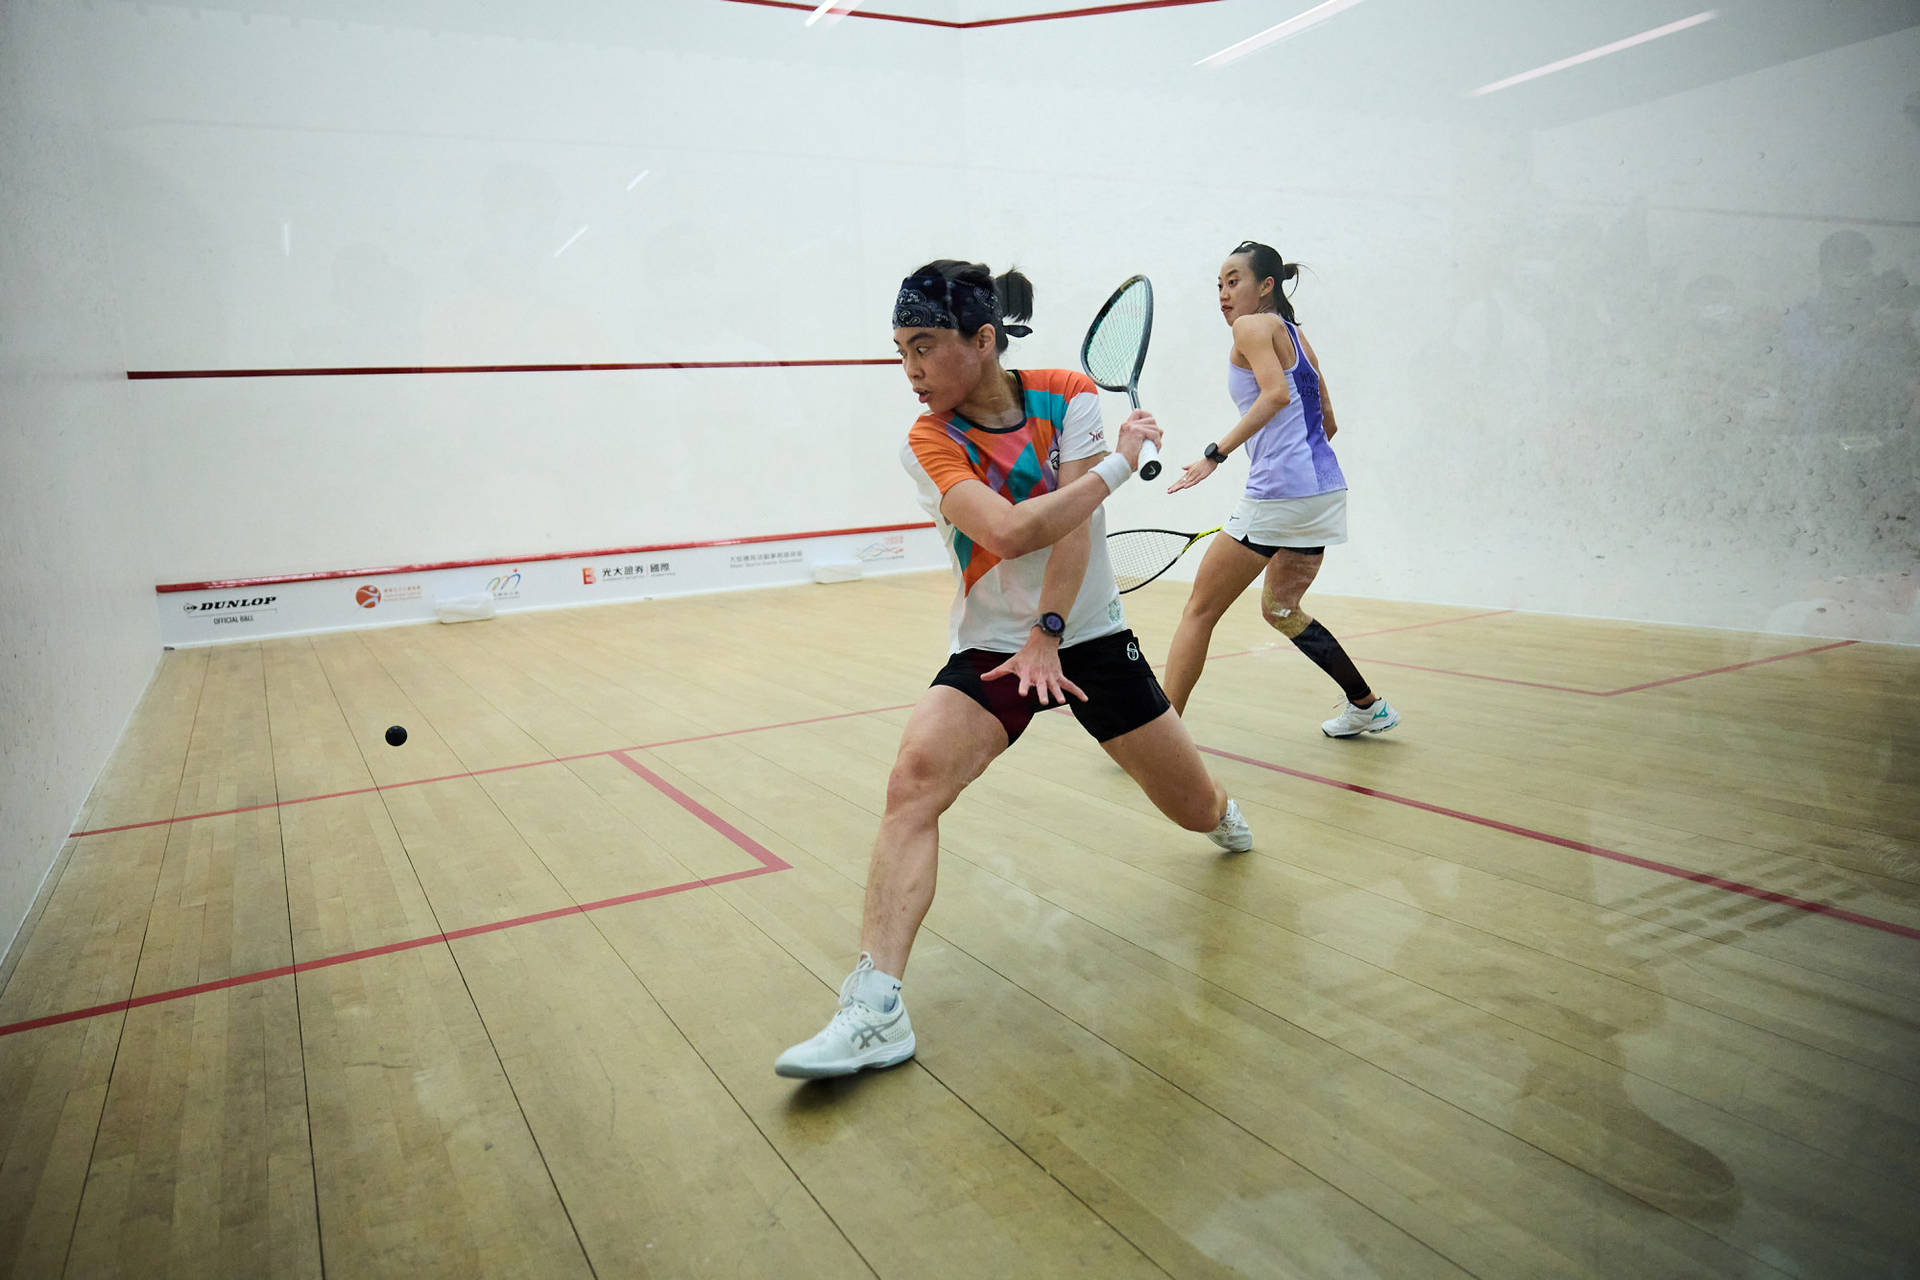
x=1608, y=693
x=1437, y=622
x=766, y=856
x=1474, y=675
x=475, y=773
x=226, y=584
x=1537, y=684
x=1594, y=850
x=769, y=862
x=1738, y=666
x=1092, y=12
x=375, y=370
x=857, y=13
x=1412, y=626
x=948, y=24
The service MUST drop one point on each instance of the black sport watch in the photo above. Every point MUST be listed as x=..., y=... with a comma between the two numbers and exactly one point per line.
x=1052, y=624
x=1214, y=455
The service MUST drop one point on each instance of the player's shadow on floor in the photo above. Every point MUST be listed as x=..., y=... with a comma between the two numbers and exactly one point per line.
x=811, y=1096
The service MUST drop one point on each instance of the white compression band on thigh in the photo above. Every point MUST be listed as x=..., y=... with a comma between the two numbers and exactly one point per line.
x=1114, y=469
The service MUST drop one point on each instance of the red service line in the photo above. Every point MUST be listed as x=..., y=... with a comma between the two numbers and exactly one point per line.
x=1538, y=684
x=617, y=753
x=1437, y=622
x=327, y=575
x=766, y=857
x=1370, y=660
x=1594, y=850
x=768, y=861
x=376, y=370
x=1611, y=693
x=1057, y=15
x=1411, y=626
x=1738, y=666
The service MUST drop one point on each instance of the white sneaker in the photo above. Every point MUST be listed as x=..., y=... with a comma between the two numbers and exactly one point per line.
x=858, y=1037
x=1354, y=721
x=1233, y=834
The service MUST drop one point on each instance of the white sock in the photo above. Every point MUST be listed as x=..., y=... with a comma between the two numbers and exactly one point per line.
x=874, y=989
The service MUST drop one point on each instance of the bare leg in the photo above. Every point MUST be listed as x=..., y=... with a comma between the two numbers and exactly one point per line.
x=1161, y=757
x=949, y=741
x=1224, y=573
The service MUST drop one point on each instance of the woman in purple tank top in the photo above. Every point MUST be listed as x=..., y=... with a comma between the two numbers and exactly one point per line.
x=1295, y=504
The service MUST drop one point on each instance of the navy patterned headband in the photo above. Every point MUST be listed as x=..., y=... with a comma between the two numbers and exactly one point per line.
x=932, y=301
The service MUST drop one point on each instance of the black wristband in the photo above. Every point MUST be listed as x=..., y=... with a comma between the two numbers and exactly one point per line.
x=1214, y=455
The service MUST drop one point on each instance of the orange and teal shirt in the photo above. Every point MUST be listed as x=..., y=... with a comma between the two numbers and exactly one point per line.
x=999, y=600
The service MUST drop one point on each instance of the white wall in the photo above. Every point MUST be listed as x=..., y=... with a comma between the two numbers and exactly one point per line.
x=310, y=192
x=325, y=194
x=78, y=640
x=1496, y=285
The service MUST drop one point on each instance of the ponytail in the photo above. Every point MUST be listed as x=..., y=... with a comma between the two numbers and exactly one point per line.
x=1008, y=297
x=1267, y=264
x=1014, y=292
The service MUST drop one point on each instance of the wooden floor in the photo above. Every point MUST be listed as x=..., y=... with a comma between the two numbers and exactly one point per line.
x=1606, y=962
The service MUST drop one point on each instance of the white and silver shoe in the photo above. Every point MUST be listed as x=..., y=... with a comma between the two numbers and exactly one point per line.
x=859, y=1037
x=1233, y=834
x=1354, y=721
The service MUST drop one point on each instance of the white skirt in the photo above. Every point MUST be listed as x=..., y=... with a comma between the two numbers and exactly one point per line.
x=1319, y=521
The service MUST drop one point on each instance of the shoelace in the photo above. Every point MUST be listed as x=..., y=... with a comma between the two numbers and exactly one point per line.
x=846, y=987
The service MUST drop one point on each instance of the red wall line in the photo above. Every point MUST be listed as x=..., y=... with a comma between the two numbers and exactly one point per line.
x=375, y=370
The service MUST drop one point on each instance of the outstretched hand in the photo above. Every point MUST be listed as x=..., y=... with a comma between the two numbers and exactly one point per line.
x=1037, y=665
x=1193, y=475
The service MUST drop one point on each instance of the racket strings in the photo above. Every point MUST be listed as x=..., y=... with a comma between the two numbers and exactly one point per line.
x=1113, y=348
x=1139, y=556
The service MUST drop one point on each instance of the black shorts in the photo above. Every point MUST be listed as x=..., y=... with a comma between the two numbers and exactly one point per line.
x=1122, y=691
x=1261, y=548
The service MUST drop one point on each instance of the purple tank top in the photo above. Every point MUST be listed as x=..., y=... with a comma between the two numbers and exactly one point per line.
x=1290, y=456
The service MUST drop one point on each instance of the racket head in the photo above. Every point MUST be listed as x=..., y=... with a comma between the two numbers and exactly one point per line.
x=1115, y=348
x=1138, y=556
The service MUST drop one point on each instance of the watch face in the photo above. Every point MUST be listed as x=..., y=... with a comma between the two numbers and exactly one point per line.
x=1053, y=624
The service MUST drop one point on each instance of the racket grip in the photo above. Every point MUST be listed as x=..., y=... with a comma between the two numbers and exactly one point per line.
x=1149, y=460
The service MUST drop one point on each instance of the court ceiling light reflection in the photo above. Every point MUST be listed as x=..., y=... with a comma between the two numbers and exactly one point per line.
x=833, y=11
x=1280, y=31
x=638, y=178
x=1605, y=49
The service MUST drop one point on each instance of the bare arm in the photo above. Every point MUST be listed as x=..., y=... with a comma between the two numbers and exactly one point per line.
x=1011, y=530
x=1258, y=340
x=1037, y=664
x=1067, y=566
